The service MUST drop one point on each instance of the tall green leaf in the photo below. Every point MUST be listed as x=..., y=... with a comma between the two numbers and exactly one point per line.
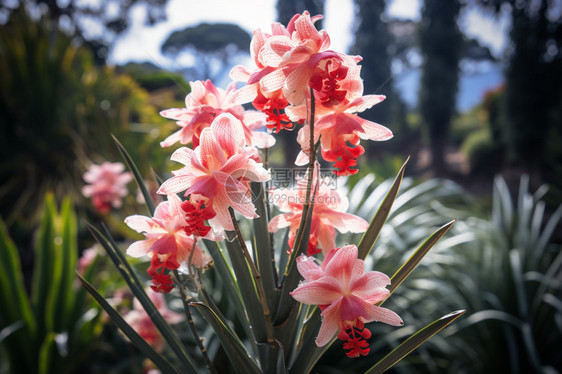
x=128, y=274
x=18, y=311
x=233, y=346
x=413, y=342
x=133, y=336
x=137, y=175
x=374, y=229
x=405, y=270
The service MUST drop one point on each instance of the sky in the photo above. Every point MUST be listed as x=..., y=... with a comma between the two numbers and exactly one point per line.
x=142, y=43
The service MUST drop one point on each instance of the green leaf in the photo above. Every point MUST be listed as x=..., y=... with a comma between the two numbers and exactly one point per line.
x=44, y=270
x=374, y=229
x=16, y=309
x=413, y=342
x=309, y=353
x=68, y=261
x=12, y=286
x=128, y=273
x=47, y=354
x=416, y=257
x=133, y=336
x=263, y=252
x=136, y=174
x=248, y=289
x=234, y=348
x=233, y=294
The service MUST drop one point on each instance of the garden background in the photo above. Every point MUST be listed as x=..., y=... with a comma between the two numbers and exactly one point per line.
x=479, y=115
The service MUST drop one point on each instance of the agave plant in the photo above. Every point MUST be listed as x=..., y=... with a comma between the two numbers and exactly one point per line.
x=292, y=295
x=501, y=265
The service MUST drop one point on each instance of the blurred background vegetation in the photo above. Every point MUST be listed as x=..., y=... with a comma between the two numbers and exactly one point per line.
x=496, y=167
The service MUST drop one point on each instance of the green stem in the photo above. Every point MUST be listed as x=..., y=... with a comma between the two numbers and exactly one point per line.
x=198, y=340
x=306, y=206
x=257, y=278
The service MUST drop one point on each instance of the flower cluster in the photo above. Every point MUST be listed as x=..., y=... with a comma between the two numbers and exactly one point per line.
x=297, y=82
x=290, y=63
x=107, y=185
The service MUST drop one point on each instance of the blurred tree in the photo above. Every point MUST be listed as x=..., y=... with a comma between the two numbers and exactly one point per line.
x=213, y=46
x=534, y=84
x=372, y=43
x=441, y=45
x=57, y=111
x=97, y=23
x=286, y=9
x=530, y=112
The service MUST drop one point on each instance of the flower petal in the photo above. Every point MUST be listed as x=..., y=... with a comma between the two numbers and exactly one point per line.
x=384, y=315
x=323, y=291
x=140, y=248
x=308, y=268
x=330, y=324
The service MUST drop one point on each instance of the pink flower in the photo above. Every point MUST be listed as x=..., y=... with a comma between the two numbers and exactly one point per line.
x=167, y=242
x=328, y=215
x=205, y=103
x=340, y=130
x=346, y=297
x=87, y=258
x=143, y=325
x=219, y=169
x=288, y=60
x=107, y=184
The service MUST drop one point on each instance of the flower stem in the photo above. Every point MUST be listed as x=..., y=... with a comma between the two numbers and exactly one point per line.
x=198, y=340
x=306, y=206
x=257, y=277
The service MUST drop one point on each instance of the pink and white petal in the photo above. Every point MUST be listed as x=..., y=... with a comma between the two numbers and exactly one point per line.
x=254, y=120
x=296, y=113
x=272, y=51
x=326, y=237
x=240, y=73
x=374, y=131
x=371, y=286
x=309, y=269
x=278, y=222
x=143, y=224
x=178, y=114
x=222, y=220
x=245, y=94
x=272, y=81
x=346, y=222
x=322, y=291
x=209, y=151
x=384, y=315
x=140, y=248
x=229, y=132
x=296, y=83
x=363, y=103
x=174, y=206
x=183, y=155
x=302, y=159
x=175, y=185
x=306, y=30
x=342, y=263
x=262, y=139
x=331, y=323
